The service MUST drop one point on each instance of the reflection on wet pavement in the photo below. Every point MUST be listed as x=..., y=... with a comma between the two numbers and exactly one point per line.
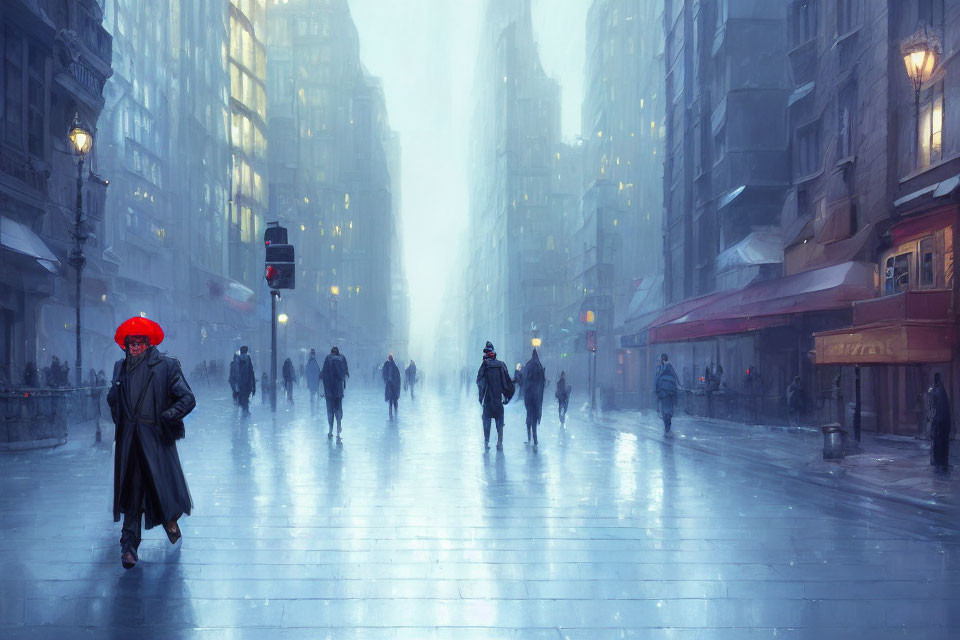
x=410, y=530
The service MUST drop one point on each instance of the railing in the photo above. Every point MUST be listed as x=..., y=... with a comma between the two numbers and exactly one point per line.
x=31, y=418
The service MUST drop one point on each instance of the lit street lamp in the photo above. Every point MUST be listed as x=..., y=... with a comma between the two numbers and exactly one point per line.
x=920, y=52
x=536, y=342
x=282, y=318
x=82, y=140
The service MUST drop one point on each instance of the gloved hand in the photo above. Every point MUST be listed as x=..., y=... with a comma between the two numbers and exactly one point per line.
x=170, y=415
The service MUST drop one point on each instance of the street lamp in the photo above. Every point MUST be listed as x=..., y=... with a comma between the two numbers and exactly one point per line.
x=82, y=140
x=334, y=294
x=282, y=318
x=536, y=342
x=920, y=52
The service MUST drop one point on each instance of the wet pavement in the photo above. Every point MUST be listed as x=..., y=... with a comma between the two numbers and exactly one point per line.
x=411, y=530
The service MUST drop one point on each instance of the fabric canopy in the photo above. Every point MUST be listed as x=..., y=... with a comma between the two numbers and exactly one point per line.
x=770, y=303
x=20, y=239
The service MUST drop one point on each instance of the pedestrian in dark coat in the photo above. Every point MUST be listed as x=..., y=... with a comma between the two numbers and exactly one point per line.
x=264, y=387
x=563, y=397
x=496, y=389
x=246, y=380
x=534, y=381
x=148, y=398
x=232, y=379
x=410, y=377
x=940, y=424
x=391, y=385
x=794, y=400
x=665, y=385
x=289, y=377
x=312, y=371
x=334, y=377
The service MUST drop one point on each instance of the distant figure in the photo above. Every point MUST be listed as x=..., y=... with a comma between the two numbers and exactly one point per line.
x=940, y=424
x=148, y=399
x=232, y=379
x=312, y=374
x=52, y=373
x=333, y=376
x=794, y=401
x=534, y=381
x=518, y=378
x=289, y=378
x=563, y=397
x=30, y=377
x=246, y=380
x=302, y=370
x=264, y=387
x=391, y=386
x=665, y=385
x=496, y=389
x=205, y=373
x=410, y=377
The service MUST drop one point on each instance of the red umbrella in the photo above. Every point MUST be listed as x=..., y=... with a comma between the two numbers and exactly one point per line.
x=138, y=326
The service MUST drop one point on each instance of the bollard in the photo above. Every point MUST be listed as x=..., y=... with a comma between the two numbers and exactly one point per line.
x=833, y=441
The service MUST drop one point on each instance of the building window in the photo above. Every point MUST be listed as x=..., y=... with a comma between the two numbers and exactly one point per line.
x=930, y=134
x=35, y=102
x=848, y=16
x=897, y=273
x=803, y=21
x=925, y=257
x=847, y=120
x=807, y=155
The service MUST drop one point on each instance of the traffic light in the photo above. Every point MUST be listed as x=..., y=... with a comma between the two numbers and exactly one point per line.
x=591, y=340
x=281, y=268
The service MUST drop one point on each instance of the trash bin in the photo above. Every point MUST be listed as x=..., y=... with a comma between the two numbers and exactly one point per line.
x=833, y=441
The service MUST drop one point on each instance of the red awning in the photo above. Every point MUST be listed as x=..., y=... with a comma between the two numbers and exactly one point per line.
x=771, y=303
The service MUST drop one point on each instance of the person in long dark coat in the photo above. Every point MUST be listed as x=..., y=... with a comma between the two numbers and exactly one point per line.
x=148, y=398
x=534, y=381
x=665, y=385
x=232, y=379
x=334, y=377
x=246, y=380
x=410, y=377
x=496, y=389
x=312, y=373
x=289, y=377
x=391, y=385
x=563, y=397
x=940, y=424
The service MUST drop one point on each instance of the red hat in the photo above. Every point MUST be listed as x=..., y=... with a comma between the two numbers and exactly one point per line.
x=138, y=326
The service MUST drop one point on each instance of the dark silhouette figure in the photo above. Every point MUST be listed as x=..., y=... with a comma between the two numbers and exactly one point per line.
x=289, y=378
x=334, y=377
x=665, y=385
x=148, y=399
x=534, y=381
x=794, y=401
x=496, y=389
x=391, y=385
x=563, y=397
x=312, y=373
x=410, y=377
x=244, y=379
x=940, y=424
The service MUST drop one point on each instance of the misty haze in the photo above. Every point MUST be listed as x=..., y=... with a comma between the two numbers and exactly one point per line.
x=575, y=319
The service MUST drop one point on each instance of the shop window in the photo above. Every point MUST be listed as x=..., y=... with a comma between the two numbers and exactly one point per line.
x=897, y=273
x=930, y=134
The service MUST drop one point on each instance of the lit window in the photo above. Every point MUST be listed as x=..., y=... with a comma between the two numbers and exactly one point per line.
x=930, y=136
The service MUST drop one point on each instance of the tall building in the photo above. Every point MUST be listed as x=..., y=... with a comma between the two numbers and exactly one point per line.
x=55, y=60
x=247, y=62
x=622, y=128
x=334, y=173
x=516, y=271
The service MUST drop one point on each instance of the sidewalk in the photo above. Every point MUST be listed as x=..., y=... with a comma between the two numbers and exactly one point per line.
x=886, y=467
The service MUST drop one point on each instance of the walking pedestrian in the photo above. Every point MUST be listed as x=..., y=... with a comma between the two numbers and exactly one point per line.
x=496, y=389
x=518, y=378
x=563, y=397
x=289, y=377
x=246, y=380
x=232, y=379
x=391, y=386
x=534, y=381
x=148, y=399
x=939, y=425
x=312, y=371
x=264, y=387
x=410, y=377
x=665, y=385
x=333, y=376
x=794, y=401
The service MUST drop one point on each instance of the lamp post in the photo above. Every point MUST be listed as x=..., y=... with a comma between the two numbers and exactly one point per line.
x=334, y=296
x=920, y=52
x=81, y=139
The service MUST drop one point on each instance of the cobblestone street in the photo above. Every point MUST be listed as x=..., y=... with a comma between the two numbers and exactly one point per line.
x=410, y=530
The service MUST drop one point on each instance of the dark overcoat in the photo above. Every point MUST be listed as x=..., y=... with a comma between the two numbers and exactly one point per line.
x=245, y=375
x=534, y=381
x=391, y=381
x=333, y=376
x=313, y=374
x=166, y=390
x=494, y=384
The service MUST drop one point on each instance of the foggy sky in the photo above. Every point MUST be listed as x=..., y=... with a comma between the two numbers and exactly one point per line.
x=425, y=52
